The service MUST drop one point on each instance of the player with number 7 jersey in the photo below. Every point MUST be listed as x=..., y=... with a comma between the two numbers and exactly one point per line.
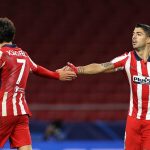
x=15, y=66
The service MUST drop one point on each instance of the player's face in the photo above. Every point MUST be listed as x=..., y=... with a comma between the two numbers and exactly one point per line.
x=139, y=39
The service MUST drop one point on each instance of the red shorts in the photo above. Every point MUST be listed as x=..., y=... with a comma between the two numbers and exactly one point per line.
x=137, y=136
x=16, y=129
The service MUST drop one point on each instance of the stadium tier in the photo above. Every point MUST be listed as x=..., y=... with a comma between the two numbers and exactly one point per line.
x=82, y=32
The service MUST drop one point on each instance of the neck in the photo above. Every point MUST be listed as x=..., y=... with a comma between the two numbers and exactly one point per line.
x=4, y=43
x=144, y=53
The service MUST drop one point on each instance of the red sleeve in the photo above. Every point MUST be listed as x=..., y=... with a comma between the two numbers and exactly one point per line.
x=41, y=71
x=120, y=61
x=33, y=66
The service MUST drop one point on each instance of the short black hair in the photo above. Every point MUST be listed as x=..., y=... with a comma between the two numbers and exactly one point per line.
x=145, y=27
x=7, y=30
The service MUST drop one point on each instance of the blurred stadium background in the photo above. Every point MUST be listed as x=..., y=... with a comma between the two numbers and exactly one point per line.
x=92, y=109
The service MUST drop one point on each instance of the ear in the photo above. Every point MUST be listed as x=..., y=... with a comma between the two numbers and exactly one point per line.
x=148, y=40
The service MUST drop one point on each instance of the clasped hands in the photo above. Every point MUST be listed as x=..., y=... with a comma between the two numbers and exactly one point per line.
x=68, y=72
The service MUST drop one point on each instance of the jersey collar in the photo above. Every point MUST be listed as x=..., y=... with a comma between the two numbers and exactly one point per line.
x=10, y=45
x=139, y=58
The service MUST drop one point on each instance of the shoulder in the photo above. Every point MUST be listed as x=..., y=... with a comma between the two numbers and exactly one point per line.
x=3, y=52
x=121, y=57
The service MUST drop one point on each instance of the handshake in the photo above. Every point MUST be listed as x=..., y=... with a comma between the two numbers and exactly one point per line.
x=71, y=67
x=68, y=72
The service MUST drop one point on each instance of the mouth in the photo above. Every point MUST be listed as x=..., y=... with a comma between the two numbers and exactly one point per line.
x=134, y=43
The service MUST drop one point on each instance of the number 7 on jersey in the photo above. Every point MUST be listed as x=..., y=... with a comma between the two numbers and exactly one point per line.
x=23, y=62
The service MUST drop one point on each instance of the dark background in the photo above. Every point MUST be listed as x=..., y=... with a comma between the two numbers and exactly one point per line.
x=54, y=32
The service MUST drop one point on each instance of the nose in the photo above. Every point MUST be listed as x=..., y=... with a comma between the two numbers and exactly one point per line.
x=134, y=36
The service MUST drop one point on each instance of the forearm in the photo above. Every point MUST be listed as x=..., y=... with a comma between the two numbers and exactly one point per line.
x=95, y=68
x=110, y=71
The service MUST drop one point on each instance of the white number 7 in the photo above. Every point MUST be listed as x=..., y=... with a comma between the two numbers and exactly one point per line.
x=23, y=62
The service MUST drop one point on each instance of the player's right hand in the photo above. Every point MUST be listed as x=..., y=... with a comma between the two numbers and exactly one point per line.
x=73, y=67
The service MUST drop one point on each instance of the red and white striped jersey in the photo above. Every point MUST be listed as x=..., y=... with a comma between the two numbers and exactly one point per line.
x=138, y=73
x=15, y=66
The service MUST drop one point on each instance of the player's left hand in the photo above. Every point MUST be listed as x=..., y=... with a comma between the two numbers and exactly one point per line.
x=65, y=75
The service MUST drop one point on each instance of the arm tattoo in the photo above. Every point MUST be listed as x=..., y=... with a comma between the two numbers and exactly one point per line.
x=80, y=69
x=107, y=65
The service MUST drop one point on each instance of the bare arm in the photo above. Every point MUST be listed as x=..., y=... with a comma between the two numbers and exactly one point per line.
x=114, y=70
x=95, y=68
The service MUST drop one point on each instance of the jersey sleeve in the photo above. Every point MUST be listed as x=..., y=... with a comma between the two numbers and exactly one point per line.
x=41, y=71
x=119, y=62
x=33, y=66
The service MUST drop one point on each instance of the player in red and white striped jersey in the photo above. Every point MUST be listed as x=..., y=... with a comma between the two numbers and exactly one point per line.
x=136, y=63
x=15, y=65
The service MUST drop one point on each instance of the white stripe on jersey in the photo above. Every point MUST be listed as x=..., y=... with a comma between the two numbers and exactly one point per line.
x=1, y=53
x=4, y=108
x=32, y=63
x=139, y=91
x=14, y=104
x=148, y=109
x=2, y=65
x=127, y=68
x=21, y=105
x=0, y=58
x=119, y=58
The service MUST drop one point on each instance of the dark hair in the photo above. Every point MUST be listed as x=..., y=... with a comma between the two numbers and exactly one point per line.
x=7, y=30
x=145, y=27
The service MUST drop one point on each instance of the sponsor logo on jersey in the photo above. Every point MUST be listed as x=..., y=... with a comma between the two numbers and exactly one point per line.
x=141, y=79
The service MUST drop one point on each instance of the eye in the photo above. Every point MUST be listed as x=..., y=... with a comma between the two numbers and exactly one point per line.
x=139, y=34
